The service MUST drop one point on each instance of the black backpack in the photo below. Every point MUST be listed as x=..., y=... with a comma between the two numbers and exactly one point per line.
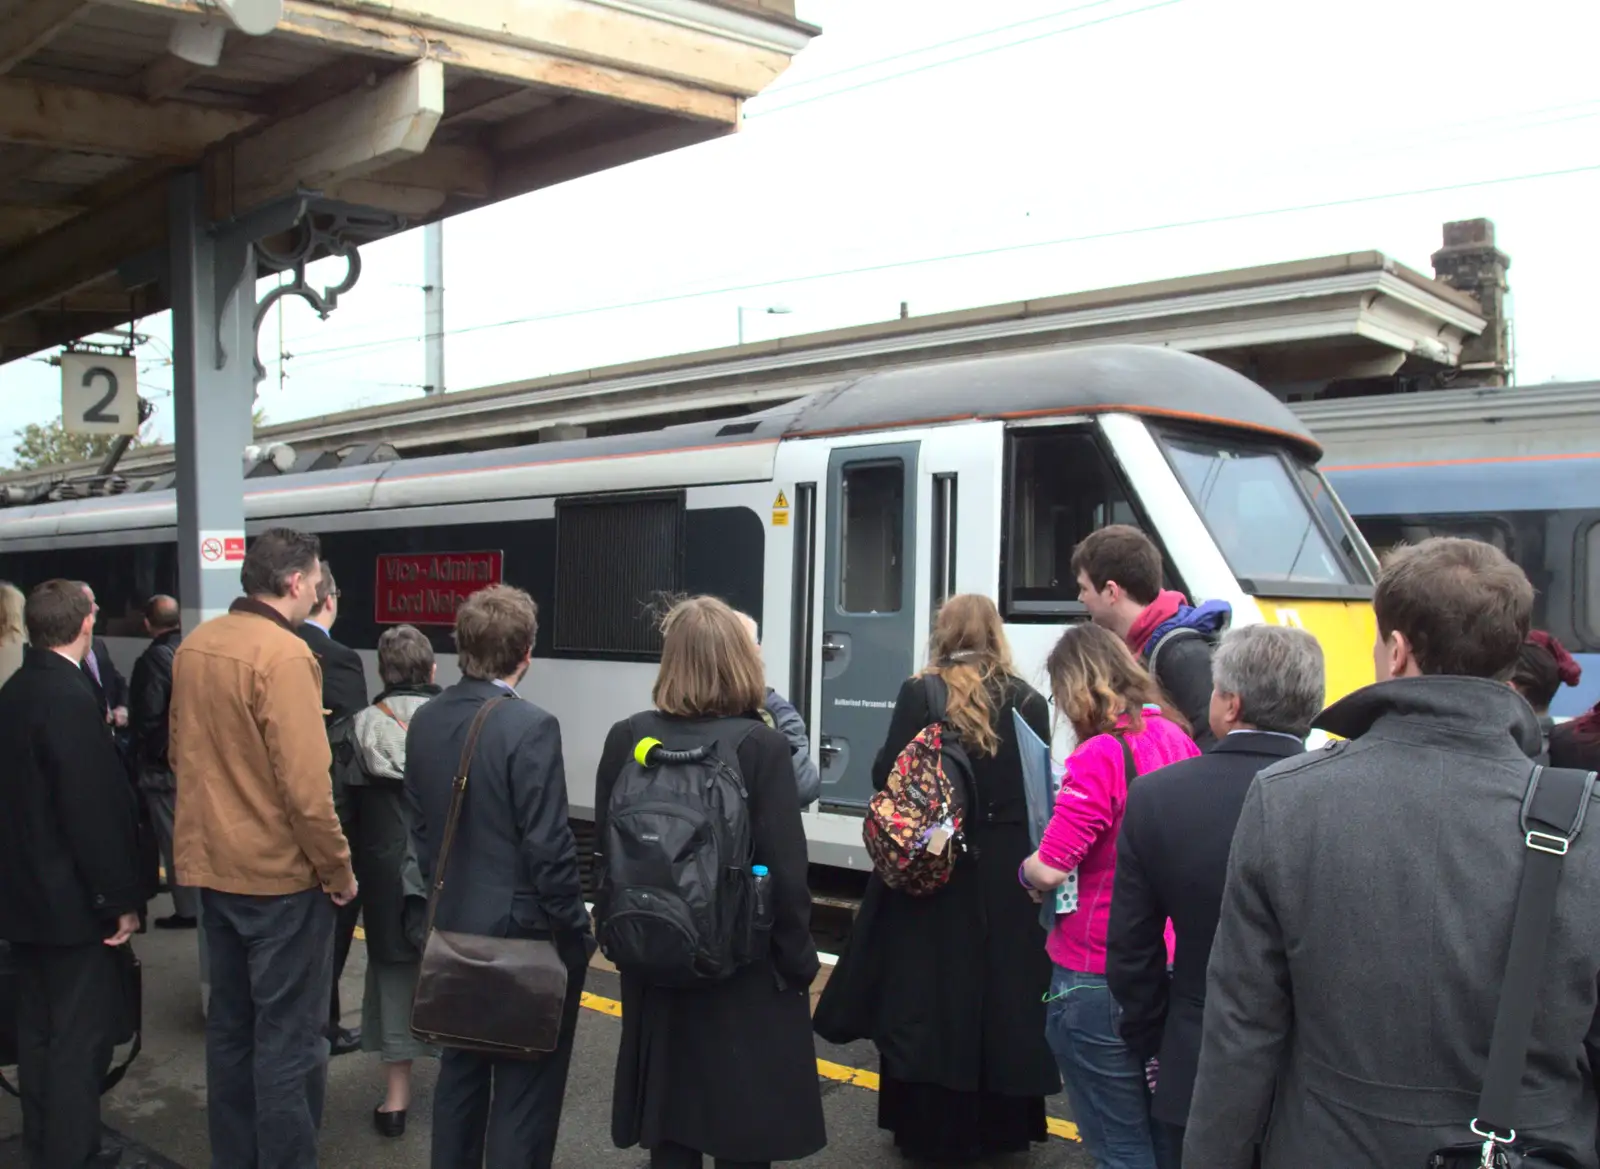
x=676, y=887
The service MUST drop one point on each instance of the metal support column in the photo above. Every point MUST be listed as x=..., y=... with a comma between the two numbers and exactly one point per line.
x=213, y=389
x=433, y=306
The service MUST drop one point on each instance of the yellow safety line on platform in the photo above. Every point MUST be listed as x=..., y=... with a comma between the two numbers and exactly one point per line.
x=858, y=1077
x=605, y=1006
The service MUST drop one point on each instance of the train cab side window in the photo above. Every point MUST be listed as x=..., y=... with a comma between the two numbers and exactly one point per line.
x=616, y=559
x=1062, y=488
x=871, y=537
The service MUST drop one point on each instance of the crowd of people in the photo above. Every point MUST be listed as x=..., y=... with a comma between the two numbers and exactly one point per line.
x=1270, y=956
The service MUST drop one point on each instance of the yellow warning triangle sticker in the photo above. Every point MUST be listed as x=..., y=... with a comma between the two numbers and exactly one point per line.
x=781, y=501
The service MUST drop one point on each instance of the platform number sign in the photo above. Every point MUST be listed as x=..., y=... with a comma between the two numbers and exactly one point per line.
x=99, y=394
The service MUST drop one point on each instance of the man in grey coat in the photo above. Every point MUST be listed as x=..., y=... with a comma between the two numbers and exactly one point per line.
x=1367, y=914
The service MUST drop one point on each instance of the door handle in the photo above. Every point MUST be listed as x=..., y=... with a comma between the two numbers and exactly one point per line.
x=827, y=750
x=832, y=649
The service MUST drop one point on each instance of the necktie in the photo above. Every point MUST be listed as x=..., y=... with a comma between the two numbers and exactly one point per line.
x=94, y=668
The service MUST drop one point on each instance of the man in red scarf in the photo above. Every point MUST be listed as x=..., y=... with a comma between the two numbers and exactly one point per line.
x=1118, y=570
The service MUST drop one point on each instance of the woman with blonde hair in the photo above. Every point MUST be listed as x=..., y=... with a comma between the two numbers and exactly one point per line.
x=727, y=1068
x=1125, y=727
x=13, y=634
x=950, y=986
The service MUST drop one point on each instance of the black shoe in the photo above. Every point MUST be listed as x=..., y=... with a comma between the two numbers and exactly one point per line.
x=176, y=922
x=345, y=1040
x=389, y=1124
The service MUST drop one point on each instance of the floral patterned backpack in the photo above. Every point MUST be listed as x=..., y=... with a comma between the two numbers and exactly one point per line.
x=914, y=826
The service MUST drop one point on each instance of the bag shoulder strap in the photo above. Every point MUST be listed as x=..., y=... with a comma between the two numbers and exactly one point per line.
x=938, y=697
x=384, y=707
x=458, y=792
x=1552, y=816
x=1181, y=633
x=1130, y=765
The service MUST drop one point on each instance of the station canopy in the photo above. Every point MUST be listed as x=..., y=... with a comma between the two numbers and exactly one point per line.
x=392, y=113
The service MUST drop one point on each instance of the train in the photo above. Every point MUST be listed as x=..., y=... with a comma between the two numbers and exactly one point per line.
x=1517, y=466
x=1542, y=511
x=839, y=521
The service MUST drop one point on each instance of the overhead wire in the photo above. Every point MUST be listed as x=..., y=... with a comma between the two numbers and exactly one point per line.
x=764, y=110
x=968, y=254
x=786, y=85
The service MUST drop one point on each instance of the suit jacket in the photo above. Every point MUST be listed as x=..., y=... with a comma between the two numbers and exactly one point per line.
x=514, y=865
x=69, y=856
x=149, y=698
x=344, y=678
x=1365, y=925
x=1172, y=859
x=112, y=688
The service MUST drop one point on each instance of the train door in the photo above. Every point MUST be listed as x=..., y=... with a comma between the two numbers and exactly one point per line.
x=869, y=620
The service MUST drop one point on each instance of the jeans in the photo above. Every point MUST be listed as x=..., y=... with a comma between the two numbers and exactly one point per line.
x=1104, y=1080
x=162, y=803
x=266, y=1050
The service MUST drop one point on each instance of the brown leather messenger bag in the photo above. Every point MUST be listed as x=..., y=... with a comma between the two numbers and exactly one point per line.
x=495, y=996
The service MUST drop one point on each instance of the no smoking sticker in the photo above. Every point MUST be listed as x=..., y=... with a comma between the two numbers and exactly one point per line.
x=221, y=549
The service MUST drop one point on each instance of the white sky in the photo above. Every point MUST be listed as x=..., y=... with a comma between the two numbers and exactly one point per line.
x=1161, y=112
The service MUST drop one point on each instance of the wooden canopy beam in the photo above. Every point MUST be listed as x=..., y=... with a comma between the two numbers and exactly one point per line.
x=64, y=118
x=422, y=185
x=18, y=221
x=33, y=25
x=346, y=138
x=82, y=250
x=168, y=75
x=570, y=70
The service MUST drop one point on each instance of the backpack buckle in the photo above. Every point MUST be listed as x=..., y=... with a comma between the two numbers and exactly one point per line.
x=1547, y=842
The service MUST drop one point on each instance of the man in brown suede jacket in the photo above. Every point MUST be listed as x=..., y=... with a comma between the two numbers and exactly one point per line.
x=256, y=833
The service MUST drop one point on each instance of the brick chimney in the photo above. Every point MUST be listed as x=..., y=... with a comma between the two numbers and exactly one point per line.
x=1471, y=263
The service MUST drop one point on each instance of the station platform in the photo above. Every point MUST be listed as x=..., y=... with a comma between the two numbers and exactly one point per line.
x=158, y=1111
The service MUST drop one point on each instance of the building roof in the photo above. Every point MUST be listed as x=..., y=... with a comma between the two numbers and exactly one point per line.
x=417, y=108
x=1296, y=325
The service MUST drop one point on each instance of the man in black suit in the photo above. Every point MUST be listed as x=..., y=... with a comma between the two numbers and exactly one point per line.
x=1172, y=853
x=344, y=695
x=516, y=877
x=109, y=685
x=150, y=702
x=344, y=678
x=69, y=878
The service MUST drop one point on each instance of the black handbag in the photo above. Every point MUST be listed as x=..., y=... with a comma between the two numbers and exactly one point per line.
x=129, y=1027
x=501, y=997
x=1552, y=816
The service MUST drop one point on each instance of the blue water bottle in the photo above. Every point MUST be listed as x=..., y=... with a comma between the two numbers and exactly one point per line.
x=761, y=896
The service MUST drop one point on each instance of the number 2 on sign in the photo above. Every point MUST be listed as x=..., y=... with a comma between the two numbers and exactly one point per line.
x=97, y=412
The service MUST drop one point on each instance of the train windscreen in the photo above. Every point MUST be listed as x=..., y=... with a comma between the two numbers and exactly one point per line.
x=1261, y=508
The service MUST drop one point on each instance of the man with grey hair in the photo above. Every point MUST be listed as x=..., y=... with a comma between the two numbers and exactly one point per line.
x=1172, y=855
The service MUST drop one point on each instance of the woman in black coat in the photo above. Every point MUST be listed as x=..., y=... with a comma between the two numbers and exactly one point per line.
x=950, y=987
x=726, y=1069
x=393, y=895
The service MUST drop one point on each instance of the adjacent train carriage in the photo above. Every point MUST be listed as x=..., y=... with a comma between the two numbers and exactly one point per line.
x=1543, y=511
x=839, y=522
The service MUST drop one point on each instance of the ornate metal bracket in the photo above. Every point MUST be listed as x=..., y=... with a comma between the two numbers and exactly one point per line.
x=315, y=230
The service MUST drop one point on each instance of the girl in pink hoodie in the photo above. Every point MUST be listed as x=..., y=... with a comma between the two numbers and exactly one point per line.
x=1125, y=727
